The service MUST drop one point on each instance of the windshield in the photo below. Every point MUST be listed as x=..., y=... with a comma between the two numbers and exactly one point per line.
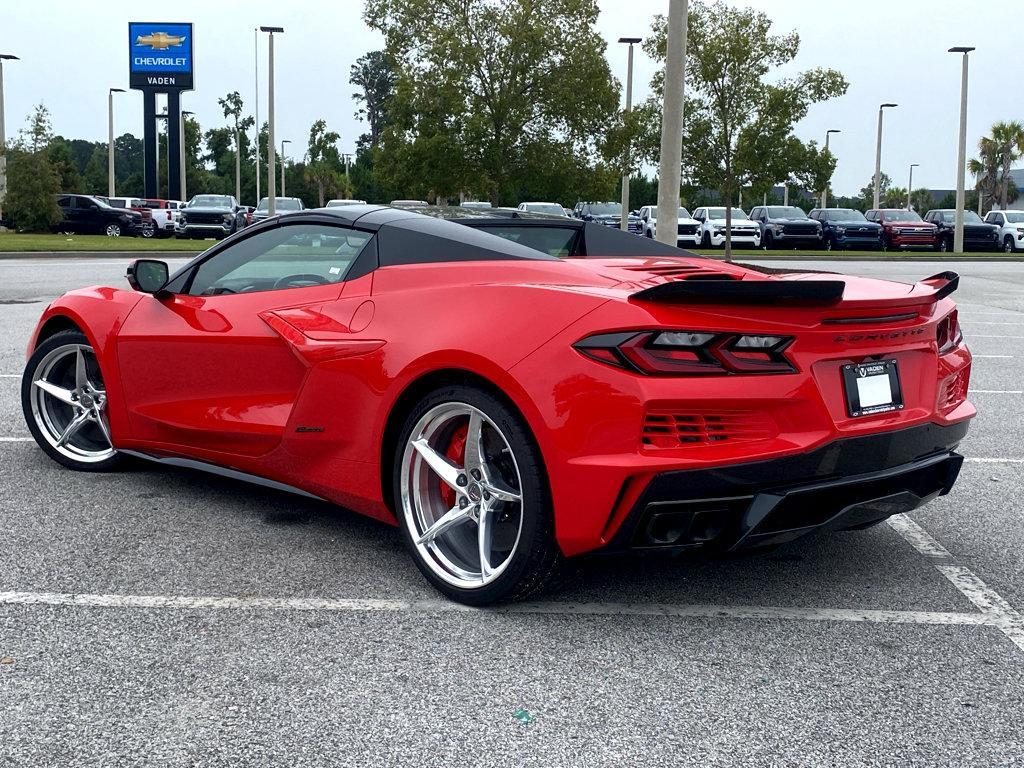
x=223, y=201
x=1015, y=218
x=786, y=212
x=682, y=214
x=901, y=216
x=969, y=217
x=281, y=204
x=605, y=209
x=719, y=213
x=545, y=208
x=845, y=215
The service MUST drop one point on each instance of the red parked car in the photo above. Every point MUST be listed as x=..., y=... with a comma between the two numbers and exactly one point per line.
x=509, y=409
x=902, y=229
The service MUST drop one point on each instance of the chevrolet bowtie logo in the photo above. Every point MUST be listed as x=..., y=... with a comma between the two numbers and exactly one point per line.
x=160, y=41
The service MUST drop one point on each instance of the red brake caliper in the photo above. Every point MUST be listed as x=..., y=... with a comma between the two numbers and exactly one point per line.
x=456, y=453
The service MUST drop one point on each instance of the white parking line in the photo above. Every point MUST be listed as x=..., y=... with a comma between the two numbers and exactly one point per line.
x=17, y=439
x=1000, y=613
x=991, y=356
x=990, y=323
x=995, y=460
x=18, y=376
x=541, y=607
x=993, y=336
x=997, y=392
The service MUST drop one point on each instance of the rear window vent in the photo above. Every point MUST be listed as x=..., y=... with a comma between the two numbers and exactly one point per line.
x=672, y=429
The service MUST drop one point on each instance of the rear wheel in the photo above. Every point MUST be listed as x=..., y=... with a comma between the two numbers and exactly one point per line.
x=113, y=230
x=64, y=402
x=472, y=499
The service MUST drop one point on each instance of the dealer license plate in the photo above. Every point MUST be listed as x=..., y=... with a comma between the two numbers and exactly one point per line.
x=872, y=388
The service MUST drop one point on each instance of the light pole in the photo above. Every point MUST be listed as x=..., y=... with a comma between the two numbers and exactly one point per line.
x=3, y=139
x=961, y=154
x=110, y=140
x=669, y=166
x=271, y=160
x=283, y=142
x=878, y=153
x=910, y=182
x=256, y=82
x=167, y=138
x=824, y=191
x=624, y=215
x=181, y=149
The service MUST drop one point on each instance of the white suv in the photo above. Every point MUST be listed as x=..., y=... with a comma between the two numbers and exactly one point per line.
x=687, y=228
x=1011, y=229
x=745, y=231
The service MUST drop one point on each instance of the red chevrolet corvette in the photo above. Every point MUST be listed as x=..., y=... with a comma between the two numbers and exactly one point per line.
x=514, y=392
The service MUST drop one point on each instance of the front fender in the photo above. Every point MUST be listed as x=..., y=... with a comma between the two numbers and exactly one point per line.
x=99, y=312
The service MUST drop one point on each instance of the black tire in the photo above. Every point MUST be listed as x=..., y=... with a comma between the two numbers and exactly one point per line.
x=769, y=240
x=830, y=244
x=1008, y=247
x=148, y=231
x=945, y=246
x=537, y=562
x=885, y=243
x=705, y=240
x=52, y=343
x=113, y=230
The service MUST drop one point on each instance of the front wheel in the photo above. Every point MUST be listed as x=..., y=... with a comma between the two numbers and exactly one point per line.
x=945, y=246
x=64, y=402
x=1008, y=244
x=472, y=499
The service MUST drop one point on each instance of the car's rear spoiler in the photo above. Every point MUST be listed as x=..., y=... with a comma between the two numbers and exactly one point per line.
x=807, y=292
x=945, y=283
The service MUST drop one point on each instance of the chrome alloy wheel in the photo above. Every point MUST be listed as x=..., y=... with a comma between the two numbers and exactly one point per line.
x=69, y=404
x=465, y=515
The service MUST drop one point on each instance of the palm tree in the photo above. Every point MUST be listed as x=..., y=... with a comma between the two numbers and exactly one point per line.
x=985, y=169
x=1009, y=142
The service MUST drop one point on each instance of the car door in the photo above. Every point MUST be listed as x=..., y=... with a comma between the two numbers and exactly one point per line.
x=216, y=365
x=87, y=217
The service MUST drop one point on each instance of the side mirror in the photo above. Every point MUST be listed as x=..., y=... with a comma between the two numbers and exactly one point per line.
x=147, y=275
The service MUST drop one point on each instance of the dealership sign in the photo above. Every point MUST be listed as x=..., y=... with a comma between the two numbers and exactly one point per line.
x=160, y=55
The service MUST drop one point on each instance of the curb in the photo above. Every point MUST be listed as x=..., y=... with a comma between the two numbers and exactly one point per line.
x=97, y=254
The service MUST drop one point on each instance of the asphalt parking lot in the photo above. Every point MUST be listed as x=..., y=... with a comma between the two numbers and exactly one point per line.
x=157, y=616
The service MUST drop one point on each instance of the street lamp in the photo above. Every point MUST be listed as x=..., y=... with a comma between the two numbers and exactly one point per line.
x=824, y=191
x=167, y=139
x=961, y=154
x=910, y=182
x=110, y=140
x=271, y=160
x=669, y=165
x=624, y=215
x=256, y=82
x=878, y=152
x=283, y=142
x=181, y=150
x=3, y=139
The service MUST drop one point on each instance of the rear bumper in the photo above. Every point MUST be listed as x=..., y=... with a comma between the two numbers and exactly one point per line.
x=847, y=484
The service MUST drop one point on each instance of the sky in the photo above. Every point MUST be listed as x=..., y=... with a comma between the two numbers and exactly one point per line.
x=890, y=51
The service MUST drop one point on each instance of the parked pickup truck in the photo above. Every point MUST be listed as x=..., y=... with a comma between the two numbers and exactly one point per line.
x=978, y=236
x=786, y=227
x=208, y=216
x=902, y=229
x=1011, y=229
x=148, y=229
x=687, y=228
x=165, y=215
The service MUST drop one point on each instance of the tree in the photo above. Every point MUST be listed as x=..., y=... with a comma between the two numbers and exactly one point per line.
x=1008, y=141
x=921, y=200
x=374, y=75
x=867, y=192
x=64, y=164
x=32, y=182
x=893, y=197
x=738, y=124
x=95, y=172
x=324, y=166
x=232, y=106
x=483, y=84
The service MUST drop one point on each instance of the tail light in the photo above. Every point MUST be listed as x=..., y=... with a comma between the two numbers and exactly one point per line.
x=689, y=353
x=948, y=334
